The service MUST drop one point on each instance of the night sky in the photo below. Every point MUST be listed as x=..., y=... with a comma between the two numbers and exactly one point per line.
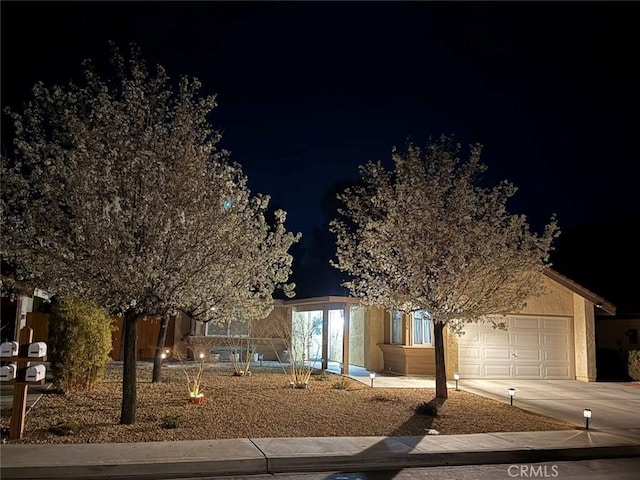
x=309, y=90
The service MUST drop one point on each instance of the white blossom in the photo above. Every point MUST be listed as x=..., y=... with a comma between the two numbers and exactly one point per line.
x=428, y=236
x=114, y=192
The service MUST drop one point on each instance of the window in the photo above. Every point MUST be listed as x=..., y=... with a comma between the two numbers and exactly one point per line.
x=421, y=328
x=235, y=327
x=396, y=327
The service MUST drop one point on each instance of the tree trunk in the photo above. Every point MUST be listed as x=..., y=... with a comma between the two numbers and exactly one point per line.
x=157, y=360
x=128, y=410
x=441, y=372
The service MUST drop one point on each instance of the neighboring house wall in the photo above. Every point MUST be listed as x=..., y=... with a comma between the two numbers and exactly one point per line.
x=615, y=337
x=618, y=333
x=148, y=329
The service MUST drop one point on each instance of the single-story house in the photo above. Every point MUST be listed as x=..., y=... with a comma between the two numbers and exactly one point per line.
x=553, y=337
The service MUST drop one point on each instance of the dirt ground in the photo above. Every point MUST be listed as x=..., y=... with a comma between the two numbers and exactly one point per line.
x=262, y=405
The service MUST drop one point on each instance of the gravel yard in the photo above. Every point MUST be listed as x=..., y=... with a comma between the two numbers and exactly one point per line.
x=262, y=405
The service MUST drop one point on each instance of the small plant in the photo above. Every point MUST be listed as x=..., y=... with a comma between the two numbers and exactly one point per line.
x=194, y=379
x=341, y=384
x=171, y=421
x=322, y=377
x=426, y=408
x=64, y=429
x=634, y=364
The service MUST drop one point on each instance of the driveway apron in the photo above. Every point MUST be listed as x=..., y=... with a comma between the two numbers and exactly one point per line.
x=614, y=405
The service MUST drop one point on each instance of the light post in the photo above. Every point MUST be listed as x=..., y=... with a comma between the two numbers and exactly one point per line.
x=586, y=413
x=512, y=393
x=456, y=377
x=372, y=375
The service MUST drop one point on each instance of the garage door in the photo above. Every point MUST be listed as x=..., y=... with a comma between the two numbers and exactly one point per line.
x=531, y=347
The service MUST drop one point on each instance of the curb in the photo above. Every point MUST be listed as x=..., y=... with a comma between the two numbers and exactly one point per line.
x=189, y=459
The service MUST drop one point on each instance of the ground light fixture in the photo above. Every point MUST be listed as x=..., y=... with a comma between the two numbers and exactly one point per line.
x=586, y=413
x=512, y=393
x=456, y=377
x=201, y=355
x=372, y=375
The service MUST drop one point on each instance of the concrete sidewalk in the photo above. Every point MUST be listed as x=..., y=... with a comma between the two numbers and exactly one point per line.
x=208, y=458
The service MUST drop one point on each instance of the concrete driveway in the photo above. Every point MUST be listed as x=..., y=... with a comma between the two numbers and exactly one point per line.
x=614, y=406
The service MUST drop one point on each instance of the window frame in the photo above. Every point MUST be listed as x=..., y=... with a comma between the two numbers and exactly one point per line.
x=425, y=327
x=396, y=316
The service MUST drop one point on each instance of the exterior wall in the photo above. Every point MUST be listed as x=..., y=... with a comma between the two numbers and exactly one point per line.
x=270, y=337
x=147, y=338
x=451, y=353
x=407, y=360
x=357, y=336
x=374, y=335
x=584, y=337
x=611, y=333
x=558, y=300
x=181, y=333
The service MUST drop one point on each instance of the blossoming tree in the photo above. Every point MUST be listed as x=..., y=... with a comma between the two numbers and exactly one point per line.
x=117, y=192
x=427, y=236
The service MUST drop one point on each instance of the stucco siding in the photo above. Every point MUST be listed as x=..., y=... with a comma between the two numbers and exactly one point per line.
x=451, y=353
x=558, y=300
x=403, y=360
x=584, y=337
x=374, y=334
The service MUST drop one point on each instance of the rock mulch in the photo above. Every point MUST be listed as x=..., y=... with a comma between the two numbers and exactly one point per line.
x=262, y=405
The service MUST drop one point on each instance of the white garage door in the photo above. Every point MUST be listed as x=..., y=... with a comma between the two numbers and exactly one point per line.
x=532, y=347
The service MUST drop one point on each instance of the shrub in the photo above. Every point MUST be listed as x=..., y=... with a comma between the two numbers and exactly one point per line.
x=634, y=364
x=322, y=377
x=65, y=429
x=171, y=421
x=341, y=384
x=80, y=343
x=426, y=408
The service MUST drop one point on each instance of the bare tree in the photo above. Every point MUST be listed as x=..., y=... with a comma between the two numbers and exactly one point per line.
x=116, y=192
x=428, y=237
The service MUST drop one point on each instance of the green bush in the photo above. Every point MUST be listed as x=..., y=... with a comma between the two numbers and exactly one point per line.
x=634, y=364
x=341, y=384
x=79, y=344
x=321, y=377
x=171, y=421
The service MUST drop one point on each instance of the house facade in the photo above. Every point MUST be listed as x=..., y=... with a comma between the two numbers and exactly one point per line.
x=553, y=337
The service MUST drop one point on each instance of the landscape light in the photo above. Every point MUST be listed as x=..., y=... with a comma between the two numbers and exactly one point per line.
x=586, y=413
x=456, y=377
x=372, y=375
x=512, y=393
x=163, y=355
x=201, y=355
